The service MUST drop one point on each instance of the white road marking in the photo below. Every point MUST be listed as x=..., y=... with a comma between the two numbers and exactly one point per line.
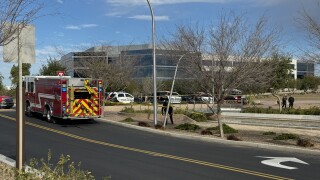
x=276, y=161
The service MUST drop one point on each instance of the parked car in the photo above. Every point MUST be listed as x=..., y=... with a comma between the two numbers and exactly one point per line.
x=6, y=102
x=199, y=98
x=122, y=97
x=236, y=99
x=164, y=95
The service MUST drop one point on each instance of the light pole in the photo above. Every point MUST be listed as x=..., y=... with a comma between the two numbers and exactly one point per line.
x=154, y=68
x=169, y=101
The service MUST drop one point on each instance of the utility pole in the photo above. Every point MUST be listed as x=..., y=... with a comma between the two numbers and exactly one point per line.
x=155, y=109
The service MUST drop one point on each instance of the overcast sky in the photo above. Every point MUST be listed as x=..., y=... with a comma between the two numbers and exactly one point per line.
x=73, y=25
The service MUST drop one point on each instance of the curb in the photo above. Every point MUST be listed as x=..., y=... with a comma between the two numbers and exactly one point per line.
x=7, y=160
x=217, y=140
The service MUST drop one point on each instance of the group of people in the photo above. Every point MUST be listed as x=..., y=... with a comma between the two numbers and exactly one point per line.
x=290, y=100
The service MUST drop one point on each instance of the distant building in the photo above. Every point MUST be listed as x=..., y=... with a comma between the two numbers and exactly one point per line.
x=75, y=61
x=166, y=63
x=305, y=69
x=139, y=55
x=293, y=68
x=142, y=61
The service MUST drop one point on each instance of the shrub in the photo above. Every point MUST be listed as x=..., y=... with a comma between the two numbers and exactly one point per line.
x=213, y=128
x=188, y=127
x=226, y=129
x=180, y=111
x=127, y=110
x=110, y=103
x=144, y=111
x=304, y=142
x=311, y=111
x=199, y=117
x=210, y=116
x=269, y=133
x=143, y=124
x=129, y=119
x=158, y=126
x=206, y=132
x=268, y=110
x=285, y=136
x=233, y=137
x=145, y=103
x=45, y=170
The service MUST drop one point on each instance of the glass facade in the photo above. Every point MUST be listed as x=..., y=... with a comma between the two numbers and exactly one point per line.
x=305, y=69
x=143, y=63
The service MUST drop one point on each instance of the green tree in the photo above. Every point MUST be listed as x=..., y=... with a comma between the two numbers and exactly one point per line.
x=1, y=82
x=309, y=82
x=14, y=73
x=51, y=67
x=281, y=74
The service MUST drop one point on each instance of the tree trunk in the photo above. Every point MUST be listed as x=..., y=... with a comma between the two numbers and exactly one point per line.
x=219, y=119
x=279, y=100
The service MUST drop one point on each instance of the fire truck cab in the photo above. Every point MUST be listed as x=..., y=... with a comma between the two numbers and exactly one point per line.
x=63, y=97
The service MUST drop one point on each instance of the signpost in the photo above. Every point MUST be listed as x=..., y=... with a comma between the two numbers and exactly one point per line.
x=20, y=50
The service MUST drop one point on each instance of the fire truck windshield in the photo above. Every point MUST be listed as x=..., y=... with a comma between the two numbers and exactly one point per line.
x=82, y=95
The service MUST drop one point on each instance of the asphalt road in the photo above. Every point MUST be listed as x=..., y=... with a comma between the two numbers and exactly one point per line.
x=124, y=153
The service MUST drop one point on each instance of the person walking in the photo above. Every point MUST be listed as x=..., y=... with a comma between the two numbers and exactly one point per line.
x=164, y=110
x=291, y=101
x=284, y=102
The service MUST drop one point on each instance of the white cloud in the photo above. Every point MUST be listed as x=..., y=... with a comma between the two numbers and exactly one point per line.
x=89, y=25
x=72, y=27
x=82, y=26
x=148, y=17
x=60, y=1
x=46, y=52
x=59, y=34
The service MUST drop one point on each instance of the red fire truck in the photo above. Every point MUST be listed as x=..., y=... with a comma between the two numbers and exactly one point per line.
x=63, y=97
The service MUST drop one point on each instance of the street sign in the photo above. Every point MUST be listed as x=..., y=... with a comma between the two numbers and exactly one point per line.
x=60, y=73
x=21, y=47
x=276, y=161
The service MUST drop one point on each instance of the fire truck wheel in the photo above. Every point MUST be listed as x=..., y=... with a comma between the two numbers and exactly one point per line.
x=28, y=110
x=49, y=117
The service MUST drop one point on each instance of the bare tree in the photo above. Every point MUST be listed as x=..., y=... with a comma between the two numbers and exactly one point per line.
x=116, y=74
x=311, y=25
x=230, y=54
x=15, y=15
